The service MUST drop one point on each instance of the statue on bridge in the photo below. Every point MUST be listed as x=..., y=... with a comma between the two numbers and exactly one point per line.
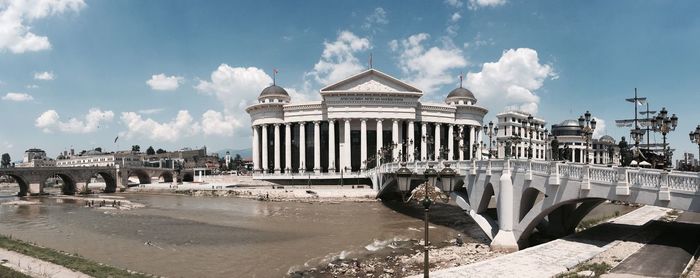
x=555, y=149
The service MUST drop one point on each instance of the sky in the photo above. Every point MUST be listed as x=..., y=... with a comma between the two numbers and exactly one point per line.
x=173, y=74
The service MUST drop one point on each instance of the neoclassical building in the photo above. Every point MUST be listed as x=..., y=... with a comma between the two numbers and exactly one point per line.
x=360, y=122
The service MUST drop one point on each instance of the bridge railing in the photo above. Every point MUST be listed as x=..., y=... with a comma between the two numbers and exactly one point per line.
x=684, y=181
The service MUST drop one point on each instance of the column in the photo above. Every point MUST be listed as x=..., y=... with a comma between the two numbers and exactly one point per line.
x=478, y=137
x=472, y=140
x=423, y=143
x=317, y=147
x=302, y=147
x=380, y=140
x=437, y=142
x=277, y=148
x=287, y=147
x=331, y=146
x=256, y=149
x=346, y=147
x=410, y=150
x=395, y=139
x=265, y=145
x=363, y=144
x=450, y=142
x=461, y=143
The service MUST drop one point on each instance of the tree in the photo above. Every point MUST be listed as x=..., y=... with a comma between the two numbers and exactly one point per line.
x=98, y=149
x=136, y=148
x=6, y=160
x=237, y=162
x=160, y=151
x=150, y=151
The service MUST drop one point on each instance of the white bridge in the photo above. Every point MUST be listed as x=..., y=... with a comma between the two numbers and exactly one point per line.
x=552, y=196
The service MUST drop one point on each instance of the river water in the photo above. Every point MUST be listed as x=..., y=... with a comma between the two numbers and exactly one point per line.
x=182, y=236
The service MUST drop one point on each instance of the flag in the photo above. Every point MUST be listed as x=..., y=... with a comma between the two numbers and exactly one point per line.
x=115, y=139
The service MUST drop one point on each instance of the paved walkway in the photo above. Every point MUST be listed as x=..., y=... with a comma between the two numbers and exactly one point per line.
x=35, y=267
x=557, y=256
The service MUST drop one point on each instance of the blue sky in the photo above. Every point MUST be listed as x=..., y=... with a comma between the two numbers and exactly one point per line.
x=75, y=73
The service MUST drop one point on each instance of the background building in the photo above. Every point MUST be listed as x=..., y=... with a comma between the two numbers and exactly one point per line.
x=512, y=133
x=572, y=145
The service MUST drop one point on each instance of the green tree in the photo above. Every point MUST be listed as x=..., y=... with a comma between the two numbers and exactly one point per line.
x=150, y=151
x=236, y=162
x=136, y=148
x=6, y=160
x=160, y=151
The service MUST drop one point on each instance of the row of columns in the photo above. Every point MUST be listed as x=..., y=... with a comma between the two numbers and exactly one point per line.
x=345, y=151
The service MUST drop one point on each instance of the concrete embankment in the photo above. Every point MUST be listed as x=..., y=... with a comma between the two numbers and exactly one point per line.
x=558, y=256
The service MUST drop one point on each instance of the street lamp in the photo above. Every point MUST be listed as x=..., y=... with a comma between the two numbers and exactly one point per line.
x=429, y=193
x=664, y=124
x=490, y=131
x=447, y=176
x=587, y=126
x=695, y=138
x=529, y=126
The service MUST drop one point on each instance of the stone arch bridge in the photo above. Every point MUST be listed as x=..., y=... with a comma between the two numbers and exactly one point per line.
x=550, y=196
x=32, y=180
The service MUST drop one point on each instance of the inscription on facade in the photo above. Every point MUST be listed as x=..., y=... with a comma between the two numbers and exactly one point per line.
x=371, y=99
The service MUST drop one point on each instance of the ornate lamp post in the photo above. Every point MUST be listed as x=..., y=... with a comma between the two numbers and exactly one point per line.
x=490, y=131
x=664, y=124
x=545, y=138
x=587, y=126
x=695, y=138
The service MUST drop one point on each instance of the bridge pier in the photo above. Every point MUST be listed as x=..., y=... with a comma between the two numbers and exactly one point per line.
x=35, y=188
x=505, y=239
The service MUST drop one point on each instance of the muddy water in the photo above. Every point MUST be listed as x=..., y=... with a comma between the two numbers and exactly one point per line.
x=180, y=236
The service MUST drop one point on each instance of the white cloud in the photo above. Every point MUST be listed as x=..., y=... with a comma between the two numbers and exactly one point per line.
x=378, y=17
x=235, y=87
x=429, y=67
x=475, y=4
x=7, y=145
x=31, y=86
x=455, y=17
x=510, y=82
x=151, y=111
x=454, y=3
x=44, y=76
x=338, y=59
x=182, y=125
x=216, y=123
x=50, y=121
x=16, y=35
x=600, y=128
x=17, y=97
x=161, y=82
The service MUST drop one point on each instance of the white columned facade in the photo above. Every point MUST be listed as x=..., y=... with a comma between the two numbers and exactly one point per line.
x=287, y=147
x=380, y=140
x=437, y=142
x=346, y=147
x=395, y=139
x=331, y=146
x=450, y=142
x=410, y=150
x=302, y=147
x=265, y=146
x=277, y=148
x=256, y=149
x=317, y=147
x=423, y=143
x=363, y=144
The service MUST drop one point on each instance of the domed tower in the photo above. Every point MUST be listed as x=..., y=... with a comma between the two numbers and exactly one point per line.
x=460, y=95
x=274, y=93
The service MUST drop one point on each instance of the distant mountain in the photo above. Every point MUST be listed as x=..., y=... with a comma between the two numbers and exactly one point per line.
x=245, y=153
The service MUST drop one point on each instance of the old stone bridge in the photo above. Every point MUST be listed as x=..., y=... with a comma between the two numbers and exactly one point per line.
x=550, y=196
x=32, y=180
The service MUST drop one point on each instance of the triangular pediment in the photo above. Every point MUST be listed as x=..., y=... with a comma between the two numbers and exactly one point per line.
x=371, y=81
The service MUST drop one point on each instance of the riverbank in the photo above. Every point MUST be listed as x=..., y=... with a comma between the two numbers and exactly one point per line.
x=37, y=261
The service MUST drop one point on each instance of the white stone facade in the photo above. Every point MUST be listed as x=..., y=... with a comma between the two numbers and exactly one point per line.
x=339, y=133
x=510, y=126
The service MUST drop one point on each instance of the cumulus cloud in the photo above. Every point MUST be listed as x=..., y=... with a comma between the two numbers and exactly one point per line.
x=455, y=17
x=428, y=67
x=378, y=17
x=15, y=15
x=161, y=82
x=31, y=86
x=511, y=82
x=600, y=128
x=235, y=87
x=216, y=123
x=50, y=121
x=17, y=97
x=475, y=4
x=45, y=75
x=182, y=125
x=454, y=3
x=338, y=59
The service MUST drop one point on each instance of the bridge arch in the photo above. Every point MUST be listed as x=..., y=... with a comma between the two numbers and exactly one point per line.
x=188, y=177
x=529, y=197
x=21, y=182
x=166, y=177
x=485, y=198
x=109, y=179
x=69, y=186
x=142, y=175
x=545, y=207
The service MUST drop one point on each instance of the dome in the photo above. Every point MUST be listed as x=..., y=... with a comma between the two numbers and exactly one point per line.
x=569, y=123
x=274, y=92
x=567, y=128
x=607, y=139
x=460, y=94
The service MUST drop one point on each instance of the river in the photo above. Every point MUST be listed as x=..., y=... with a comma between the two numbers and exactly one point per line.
x=181, y=236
